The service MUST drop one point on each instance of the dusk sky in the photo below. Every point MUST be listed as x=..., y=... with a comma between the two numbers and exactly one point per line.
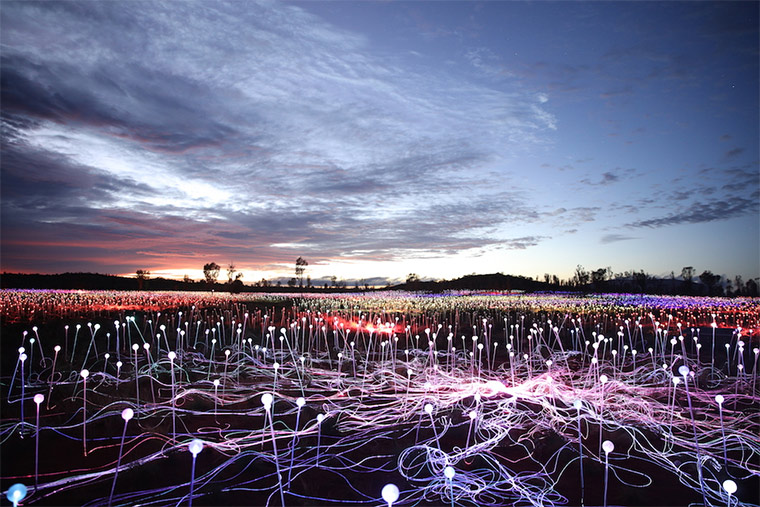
x=377, y=139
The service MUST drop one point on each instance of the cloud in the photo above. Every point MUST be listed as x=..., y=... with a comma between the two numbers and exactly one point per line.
x=705, y=212
x=610, y=177
x=232, y=127
x=522, y=243
x=614, y=238
x=734, y=153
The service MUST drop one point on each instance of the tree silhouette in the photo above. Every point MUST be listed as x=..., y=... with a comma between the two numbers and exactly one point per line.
x=687, y=273
x=710, y=280
x=142, y=277
x=598, y=276
x=642, y=280
x=581, y=275
x=211, y=272
x=300, y=268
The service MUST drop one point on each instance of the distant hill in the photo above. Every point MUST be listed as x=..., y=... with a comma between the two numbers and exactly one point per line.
x=494, y=281
x=96, y=281
x=90, y=281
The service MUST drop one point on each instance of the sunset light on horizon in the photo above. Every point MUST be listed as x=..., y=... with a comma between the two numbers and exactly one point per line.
x=378, y=139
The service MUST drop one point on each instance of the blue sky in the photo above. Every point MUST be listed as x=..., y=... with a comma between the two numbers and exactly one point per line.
x=377, y=139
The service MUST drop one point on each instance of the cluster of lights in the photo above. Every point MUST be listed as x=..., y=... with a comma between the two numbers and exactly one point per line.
x=258, y=381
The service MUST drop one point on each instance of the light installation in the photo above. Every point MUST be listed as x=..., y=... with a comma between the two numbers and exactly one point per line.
x=402, y=399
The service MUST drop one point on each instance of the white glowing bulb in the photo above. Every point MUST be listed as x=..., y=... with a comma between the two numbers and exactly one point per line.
x=608, y=446
x=449, y=473
x=195, y=447
x=127, y=414
x=390, y=493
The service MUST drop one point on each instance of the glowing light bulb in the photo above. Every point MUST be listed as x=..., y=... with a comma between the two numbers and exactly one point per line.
x=195, y=447
x=449, y=472
x=266, y=400
x=127, y=414
x=300, y=402
x=171, y=355
x=390, y=493
x=17, y=492
x=608, y=446
x=85, y=373
x=719, y=399
x=39, y=398
x=729, y=486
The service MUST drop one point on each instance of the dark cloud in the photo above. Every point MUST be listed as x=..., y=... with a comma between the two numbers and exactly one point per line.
x=706, y=212
x=521, y=243
x=614, y=238
x=609, y=177
x=741, y=180
x=734, y=153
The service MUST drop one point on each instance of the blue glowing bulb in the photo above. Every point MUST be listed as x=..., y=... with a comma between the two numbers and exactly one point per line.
x=17, y=492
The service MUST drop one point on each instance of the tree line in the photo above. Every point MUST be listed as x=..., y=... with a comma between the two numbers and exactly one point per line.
x=688, y=283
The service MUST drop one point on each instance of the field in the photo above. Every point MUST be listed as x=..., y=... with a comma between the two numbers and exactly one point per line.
x=140, y=398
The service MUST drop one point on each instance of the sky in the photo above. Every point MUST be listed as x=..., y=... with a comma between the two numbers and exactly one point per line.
x=378, y=139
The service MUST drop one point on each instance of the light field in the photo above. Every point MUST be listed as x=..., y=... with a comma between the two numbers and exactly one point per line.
x=130, y=398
